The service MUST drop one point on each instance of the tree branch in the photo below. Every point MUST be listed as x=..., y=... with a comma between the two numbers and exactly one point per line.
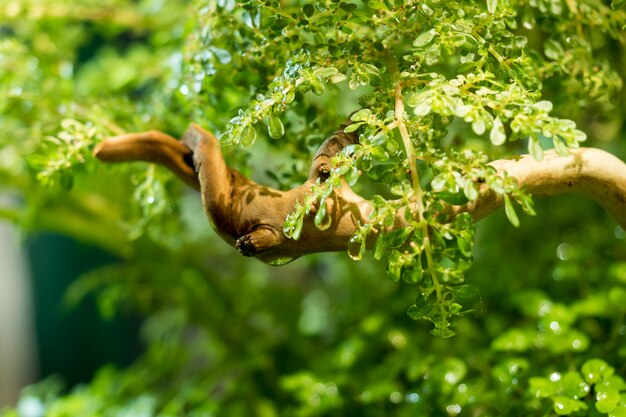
x=590, y=172
x=250, y=216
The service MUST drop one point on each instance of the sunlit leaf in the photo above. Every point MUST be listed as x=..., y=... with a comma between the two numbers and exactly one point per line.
x=510, y=211
x=497, y=135
x=275, y=127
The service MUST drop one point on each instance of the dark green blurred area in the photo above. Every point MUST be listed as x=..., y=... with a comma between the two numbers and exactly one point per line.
x=73, y=342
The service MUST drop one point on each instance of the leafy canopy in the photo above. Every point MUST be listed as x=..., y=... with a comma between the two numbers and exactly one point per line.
x=424, y=74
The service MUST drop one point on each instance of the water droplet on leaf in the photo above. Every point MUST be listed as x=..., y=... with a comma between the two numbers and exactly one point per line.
x=356, y=248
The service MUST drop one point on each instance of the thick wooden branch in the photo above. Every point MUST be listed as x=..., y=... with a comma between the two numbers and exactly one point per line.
x=250, y=216
x=590, y=172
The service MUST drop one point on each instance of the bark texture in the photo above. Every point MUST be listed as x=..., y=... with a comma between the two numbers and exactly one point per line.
x=250, y=216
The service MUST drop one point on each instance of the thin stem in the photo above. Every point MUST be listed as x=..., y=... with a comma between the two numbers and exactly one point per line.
x=410, y=150
x=493, y=51
x=417, y=189
x=573, y=9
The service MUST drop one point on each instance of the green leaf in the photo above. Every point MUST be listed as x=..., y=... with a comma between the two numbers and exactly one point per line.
x=465, y=243
x=442, y=330
x=492, y=6
x=413, y=275
x=619, y=411
x=515, y=340
x=308, y=10
x=560, y=147
x=370, y=69
x=553, y=49
x=325, y=72
x=510, y=211
x=470, y=191
x=248, y=136
x=425, y=38
x=542, y=387
x=317, y=86
x=354, y=81
x=596, y=370
x=379, y=247
x=361, y=115
x=275, y=127
x=534, y=148
x=579, y=135
x=432, y=54
x=457, y=199
x=337, y=78
x=396, y=238
x=464, y=291
x=497, y=135
x=450, y=370
x=397, y=261
x=381, y=173
x=565, y=406
x=289, y=96
x=352, y=176
x=378, y=5
x=421, y=308
x=574, y=386
x=616, y=4
x=352, y=127
x=606, y=399
x=439, y=182
x=295, y=229
x=379, y=153
x=322, y=221
x=222, y=55
x=478, y=125
x=348, y=7
x=421, y=103
x=544, y=105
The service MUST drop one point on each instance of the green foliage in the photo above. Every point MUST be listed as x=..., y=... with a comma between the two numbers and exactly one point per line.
x=435, y=89
x=467, y=64
x=576, y=391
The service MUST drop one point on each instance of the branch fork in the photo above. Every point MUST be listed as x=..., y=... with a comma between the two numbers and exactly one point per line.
x=250, y=216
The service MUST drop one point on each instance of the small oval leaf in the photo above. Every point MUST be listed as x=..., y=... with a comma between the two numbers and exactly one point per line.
x=510, y=211
x=535, y=149
x=424, y=38
x=275, y=127
x=497, y=135
x=248, y=136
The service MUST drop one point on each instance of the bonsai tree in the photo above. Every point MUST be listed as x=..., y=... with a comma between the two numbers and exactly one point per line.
x=312, y=127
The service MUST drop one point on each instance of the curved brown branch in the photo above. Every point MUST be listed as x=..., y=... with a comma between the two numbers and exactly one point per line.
x=250, y=216
x=591, y=172
x=247, y=215
x=151, y=146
